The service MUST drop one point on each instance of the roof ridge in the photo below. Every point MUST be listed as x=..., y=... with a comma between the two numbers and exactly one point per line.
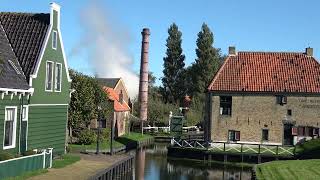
x=275, y=52
x=22, y=13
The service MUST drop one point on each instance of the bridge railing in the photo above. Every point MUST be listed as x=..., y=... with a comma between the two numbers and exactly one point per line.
x=242, y=148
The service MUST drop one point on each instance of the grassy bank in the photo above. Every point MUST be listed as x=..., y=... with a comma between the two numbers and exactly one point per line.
x=103, y=146
x=293, y=169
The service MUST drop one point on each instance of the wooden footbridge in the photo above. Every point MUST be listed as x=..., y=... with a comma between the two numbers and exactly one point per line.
x=224, y=150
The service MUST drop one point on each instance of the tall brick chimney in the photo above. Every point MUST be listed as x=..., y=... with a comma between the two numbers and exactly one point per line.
x=143, y=85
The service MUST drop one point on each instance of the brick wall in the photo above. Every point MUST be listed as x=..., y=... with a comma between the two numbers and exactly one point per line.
x=251, y=114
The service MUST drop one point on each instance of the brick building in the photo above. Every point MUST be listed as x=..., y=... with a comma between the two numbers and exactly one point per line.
x=265, y=97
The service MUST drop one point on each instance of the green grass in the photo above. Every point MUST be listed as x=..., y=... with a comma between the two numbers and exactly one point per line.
x=291, y=170
x=65, y=160
x=137, y=136
x=28, y=174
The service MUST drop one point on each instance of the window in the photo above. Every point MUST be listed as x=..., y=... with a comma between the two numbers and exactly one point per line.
x=234, y=135
x=25, y=113
x=10, y=128
x=265, y=134
x=225, y=105
x=57, y=86
x=301, y=131
x=14, y=67
x=49, y=75
x=281, y=100
x=289, y=112
x=54, y=40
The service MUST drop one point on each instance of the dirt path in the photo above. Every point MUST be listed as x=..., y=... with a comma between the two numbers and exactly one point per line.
x=83, y=169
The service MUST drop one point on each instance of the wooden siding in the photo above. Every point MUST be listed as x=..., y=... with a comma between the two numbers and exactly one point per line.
x=7, y=101
x=47, y=127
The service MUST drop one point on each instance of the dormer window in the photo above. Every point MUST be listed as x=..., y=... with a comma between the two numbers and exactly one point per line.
x=49, y=76
x=14, y=67
x=54, y=40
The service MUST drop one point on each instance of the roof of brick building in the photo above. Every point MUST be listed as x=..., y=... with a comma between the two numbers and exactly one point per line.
x=268, y=72
x=113, y=96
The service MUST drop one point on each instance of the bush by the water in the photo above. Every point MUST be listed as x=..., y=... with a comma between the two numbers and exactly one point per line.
x=5, y=156
x=87, y=137
x=309, y=150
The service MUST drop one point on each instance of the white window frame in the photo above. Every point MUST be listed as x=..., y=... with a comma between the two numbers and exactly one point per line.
x=52, y=84
x=27, y=113
x=54, y=39
x=55, y=77
x=14, y=136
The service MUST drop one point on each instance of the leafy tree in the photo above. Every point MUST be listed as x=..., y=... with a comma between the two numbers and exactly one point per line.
x=207, y=62
x=86, y=99
x=173, y=81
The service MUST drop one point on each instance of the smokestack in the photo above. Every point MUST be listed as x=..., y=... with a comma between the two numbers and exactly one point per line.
x=143, y=85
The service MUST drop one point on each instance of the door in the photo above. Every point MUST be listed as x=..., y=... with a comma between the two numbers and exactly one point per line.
x=24, y=129
x=287, y=134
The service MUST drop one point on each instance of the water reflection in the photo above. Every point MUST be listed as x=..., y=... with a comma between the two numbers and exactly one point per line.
x=152, y=164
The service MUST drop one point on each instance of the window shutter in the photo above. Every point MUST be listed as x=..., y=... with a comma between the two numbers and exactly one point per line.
x=237, y=135
x=294, y=131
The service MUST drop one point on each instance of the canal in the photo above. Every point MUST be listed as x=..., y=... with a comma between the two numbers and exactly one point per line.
x=152, y=163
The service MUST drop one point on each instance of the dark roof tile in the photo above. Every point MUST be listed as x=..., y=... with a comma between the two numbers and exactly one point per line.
x=26, y=33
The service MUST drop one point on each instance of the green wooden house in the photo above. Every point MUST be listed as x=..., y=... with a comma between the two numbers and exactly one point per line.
x=34, y=82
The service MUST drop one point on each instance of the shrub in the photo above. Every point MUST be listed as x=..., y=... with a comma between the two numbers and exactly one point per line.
x=5, y=156
x=87, y=137
x=309, y=149
x=29, y=152
x=105, y=134
x=68, y=149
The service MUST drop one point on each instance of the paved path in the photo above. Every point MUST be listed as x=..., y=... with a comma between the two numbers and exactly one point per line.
x=88, y=166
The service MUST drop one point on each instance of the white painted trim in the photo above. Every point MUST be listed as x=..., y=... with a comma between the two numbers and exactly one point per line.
x=14, y=127
x=124, y=85
x=56, y=7
x=6, y=90
x=64, y=56
x=27, y=113
x=48, y=105
x=20, y=158
x=52, y=39
x=55, y=77
x=43, y=48
x=46, y=81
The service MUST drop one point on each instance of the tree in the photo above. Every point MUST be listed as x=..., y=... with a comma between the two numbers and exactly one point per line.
x=173, y=81
x=84, y=103
x=207, y=62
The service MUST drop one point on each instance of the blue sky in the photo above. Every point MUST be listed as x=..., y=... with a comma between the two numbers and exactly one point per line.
x=273, y=25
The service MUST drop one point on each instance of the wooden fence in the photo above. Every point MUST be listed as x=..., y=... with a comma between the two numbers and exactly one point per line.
x=121, y=170
x=18, y=166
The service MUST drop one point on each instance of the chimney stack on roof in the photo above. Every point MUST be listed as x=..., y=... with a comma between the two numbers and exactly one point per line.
x=309, y=51
x=232, y=51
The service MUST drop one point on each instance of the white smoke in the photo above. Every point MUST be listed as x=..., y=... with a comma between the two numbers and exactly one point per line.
x=107, y=45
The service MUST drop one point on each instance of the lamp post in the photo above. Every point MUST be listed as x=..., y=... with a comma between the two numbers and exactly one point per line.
x=99, y=129
x=111, y=137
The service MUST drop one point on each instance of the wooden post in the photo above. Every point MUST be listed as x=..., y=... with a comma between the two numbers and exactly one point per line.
x=224, y=147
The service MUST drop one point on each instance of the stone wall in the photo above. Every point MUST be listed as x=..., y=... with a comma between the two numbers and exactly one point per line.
x=252, y=113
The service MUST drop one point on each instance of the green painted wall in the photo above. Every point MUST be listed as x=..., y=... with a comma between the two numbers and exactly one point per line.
x=47, y=127
x=40, y=96
x=7, y=101
x=47, y=123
